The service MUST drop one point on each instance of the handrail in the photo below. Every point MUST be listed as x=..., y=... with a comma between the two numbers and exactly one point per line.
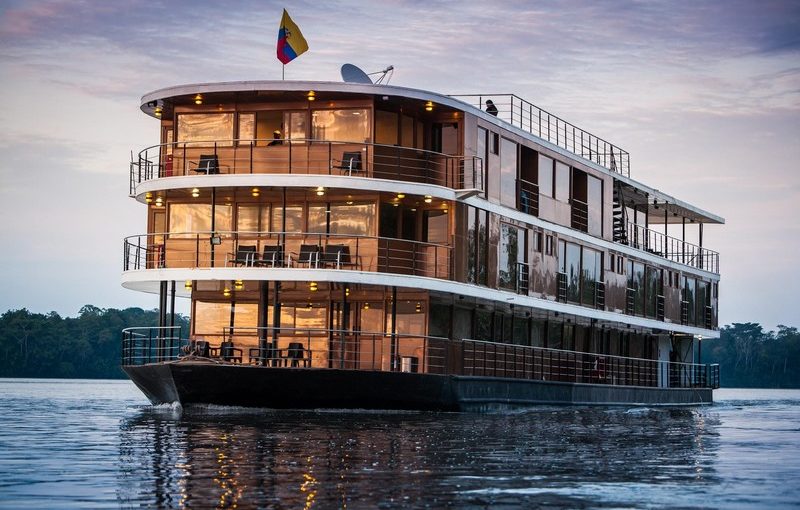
x=305, y=156
x=365, y=253
x=324, y=348
x=671, y=248
x=529, y=117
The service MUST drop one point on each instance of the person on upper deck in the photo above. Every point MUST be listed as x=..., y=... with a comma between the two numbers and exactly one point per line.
x=491, y=108
x=276, y=138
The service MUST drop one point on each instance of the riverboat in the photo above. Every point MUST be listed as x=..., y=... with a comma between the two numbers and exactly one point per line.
x=352, y=245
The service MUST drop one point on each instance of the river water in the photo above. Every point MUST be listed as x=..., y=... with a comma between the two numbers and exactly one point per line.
x=98, y=444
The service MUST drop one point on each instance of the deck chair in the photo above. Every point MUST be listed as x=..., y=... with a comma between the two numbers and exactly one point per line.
x=297, y=353
x=309, y=254
x=208, y=164
x=351, y=162
x=272, y=256
x=245, y=255
x=336, y=255
x=230, y=353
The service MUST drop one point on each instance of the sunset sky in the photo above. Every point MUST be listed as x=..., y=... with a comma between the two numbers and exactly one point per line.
x=704, y=95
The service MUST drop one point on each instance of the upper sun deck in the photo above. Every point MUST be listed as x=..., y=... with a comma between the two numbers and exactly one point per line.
x=514, y=115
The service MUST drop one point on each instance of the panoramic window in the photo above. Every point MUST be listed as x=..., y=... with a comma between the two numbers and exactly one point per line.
x=188, y=218
x=508, y=173
x=509, y=256
x=294, y=218
x=435, y=226
x=545, y=176
x=252, y=218
x=353, y=219
x=211, y=318
x=590, y=274
x=206, y=127
x=594, y=203
x=562, y=181
x=385, y=127
x=247, y=128
x=348, y=125
x=295, y=126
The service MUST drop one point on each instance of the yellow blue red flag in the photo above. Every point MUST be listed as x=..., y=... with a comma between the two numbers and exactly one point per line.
x=291, y=43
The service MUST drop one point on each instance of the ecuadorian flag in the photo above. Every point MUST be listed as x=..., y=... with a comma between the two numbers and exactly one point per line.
x=291, y=43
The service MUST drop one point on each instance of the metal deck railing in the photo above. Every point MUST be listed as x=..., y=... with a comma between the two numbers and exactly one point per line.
x=319, y=348
x=529, y=117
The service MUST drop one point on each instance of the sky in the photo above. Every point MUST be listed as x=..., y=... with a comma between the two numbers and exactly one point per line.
x=704, y=95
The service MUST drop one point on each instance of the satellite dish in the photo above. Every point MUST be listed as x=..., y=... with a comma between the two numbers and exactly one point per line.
x=353, y=74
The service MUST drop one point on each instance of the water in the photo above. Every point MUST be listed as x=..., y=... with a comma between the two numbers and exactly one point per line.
x=98, y=444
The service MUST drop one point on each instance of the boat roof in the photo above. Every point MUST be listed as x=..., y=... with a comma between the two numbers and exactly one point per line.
x=644, y=197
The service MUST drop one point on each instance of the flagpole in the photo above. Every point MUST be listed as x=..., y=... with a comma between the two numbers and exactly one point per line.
x=283, y=71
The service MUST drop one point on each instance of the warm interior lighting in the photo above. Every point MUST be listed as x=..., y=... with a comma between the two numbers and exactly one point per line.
x=148, y=197
x=238, y=285
x=320, y=191
x=226, y=292
x=349, y=202
x=428, y=199
x=429, y=106
x=198, y=99
x=311, y=95
x=366, y=306
x=195, y=192
x=347, y=291
x=159, y=201
x=418, y=308
x=157, y=111
x=255, y=192
x=313, y=286
x=395, y=204
x=401, y=195
x=188, y=285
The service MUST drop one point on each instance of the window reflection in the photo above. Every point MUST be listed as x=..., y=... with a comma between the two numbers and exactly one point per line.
x=247, y=127
x=295, y=125
x=197, y=218
x=349, y=125
x=318, y=219
x=545, y=176
x=353, y=219
x=436, y=226
x=508, y=172
x=562, y=181
x=206, y=127
x=294, y=219
x=385, y=127
x=509, y=256
x=211, y=318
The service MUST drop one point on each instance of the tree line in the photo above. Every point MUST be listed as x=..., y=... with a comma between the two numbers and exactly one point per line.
x=89, y=346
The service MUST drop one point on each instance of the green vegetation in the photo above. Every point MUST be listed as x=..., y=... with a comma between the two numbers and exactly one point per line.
x=750, y=357
x=87, y=346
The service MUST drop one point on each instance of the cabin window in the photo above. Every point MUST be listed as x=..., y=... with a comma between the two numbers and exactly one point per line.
x=294, y=218
x=653, y=290
x=206, y=127
x=252, y=218
x=318, y=219
x=267, y=123
x=562, y=182
x=594, y=203
x=477, y=238
x=435, y=226
x=247, y=128
x=495, y=145
x=211, y=318
x=353, y=219
x=548, y=246
x=186, y=219
x=509, y=257
x=386, y=128
x=295, y=126
x=409, y=321
x=508, y=173
x=636, y=285
x=245, y=315
x=689, y=289
x=545, y=176
x=571, y=266
x=407, y=131
x=592, y=261
x=537, y=242
x=347, y=125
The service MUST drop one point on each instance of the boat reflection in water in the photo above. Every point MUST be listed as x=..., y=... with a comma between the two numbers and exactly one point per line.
x=226, y=457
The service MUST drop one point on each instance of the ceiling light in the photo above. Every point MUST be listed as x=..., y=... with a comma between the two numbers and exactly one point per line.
x=226, y=292
x=311, y=95
x=157, y=111
x=255, y=192
x=312, y=286
x=188, y=285
x=238, y=285
x=428, y=199
x=195, y=192
x=429, y=106
x=418, y=308
x=198, y=99
x=366, y=306
x=401, y=195
x=320, y=191
x=148, y=197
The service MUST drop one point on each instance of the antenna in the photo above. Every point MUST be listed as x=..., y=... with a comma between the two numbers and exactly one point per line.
x=387, y=73
x=353, y=74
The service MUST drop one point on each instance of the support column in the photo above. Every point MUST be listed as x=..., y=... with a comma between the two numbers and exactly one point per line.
x=213, y=222
x=393, y=347
x=172, y=304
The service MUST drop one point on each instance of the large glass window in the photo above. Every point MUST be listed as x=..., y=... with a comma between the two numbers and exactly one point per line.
x=252, y=218
x=435, y=226
x=483, y=247
x=211, y=318
x=295, y=126
x=247, y=128
x=386, y=128
x=407, y=133
x=318, y=219
x=573, y=268
x=206, y=127
x=508, y=257
x=590, y=273
x=653, y=277
x=294, y=218
x=508, y=173
x=562, y=181
x=636, y=285
x=350, y=125
x=545, y=176
x=594, y=203
x=245, y=315
x=353, y=219
x=197, y=218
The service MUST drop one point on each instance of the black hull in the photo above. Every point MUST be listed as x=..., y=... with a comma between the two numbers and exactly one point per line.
x=299, y=388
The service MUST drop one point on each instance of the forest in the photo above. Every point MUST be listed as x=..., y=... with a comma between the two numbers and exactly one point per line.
x=89, y=346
